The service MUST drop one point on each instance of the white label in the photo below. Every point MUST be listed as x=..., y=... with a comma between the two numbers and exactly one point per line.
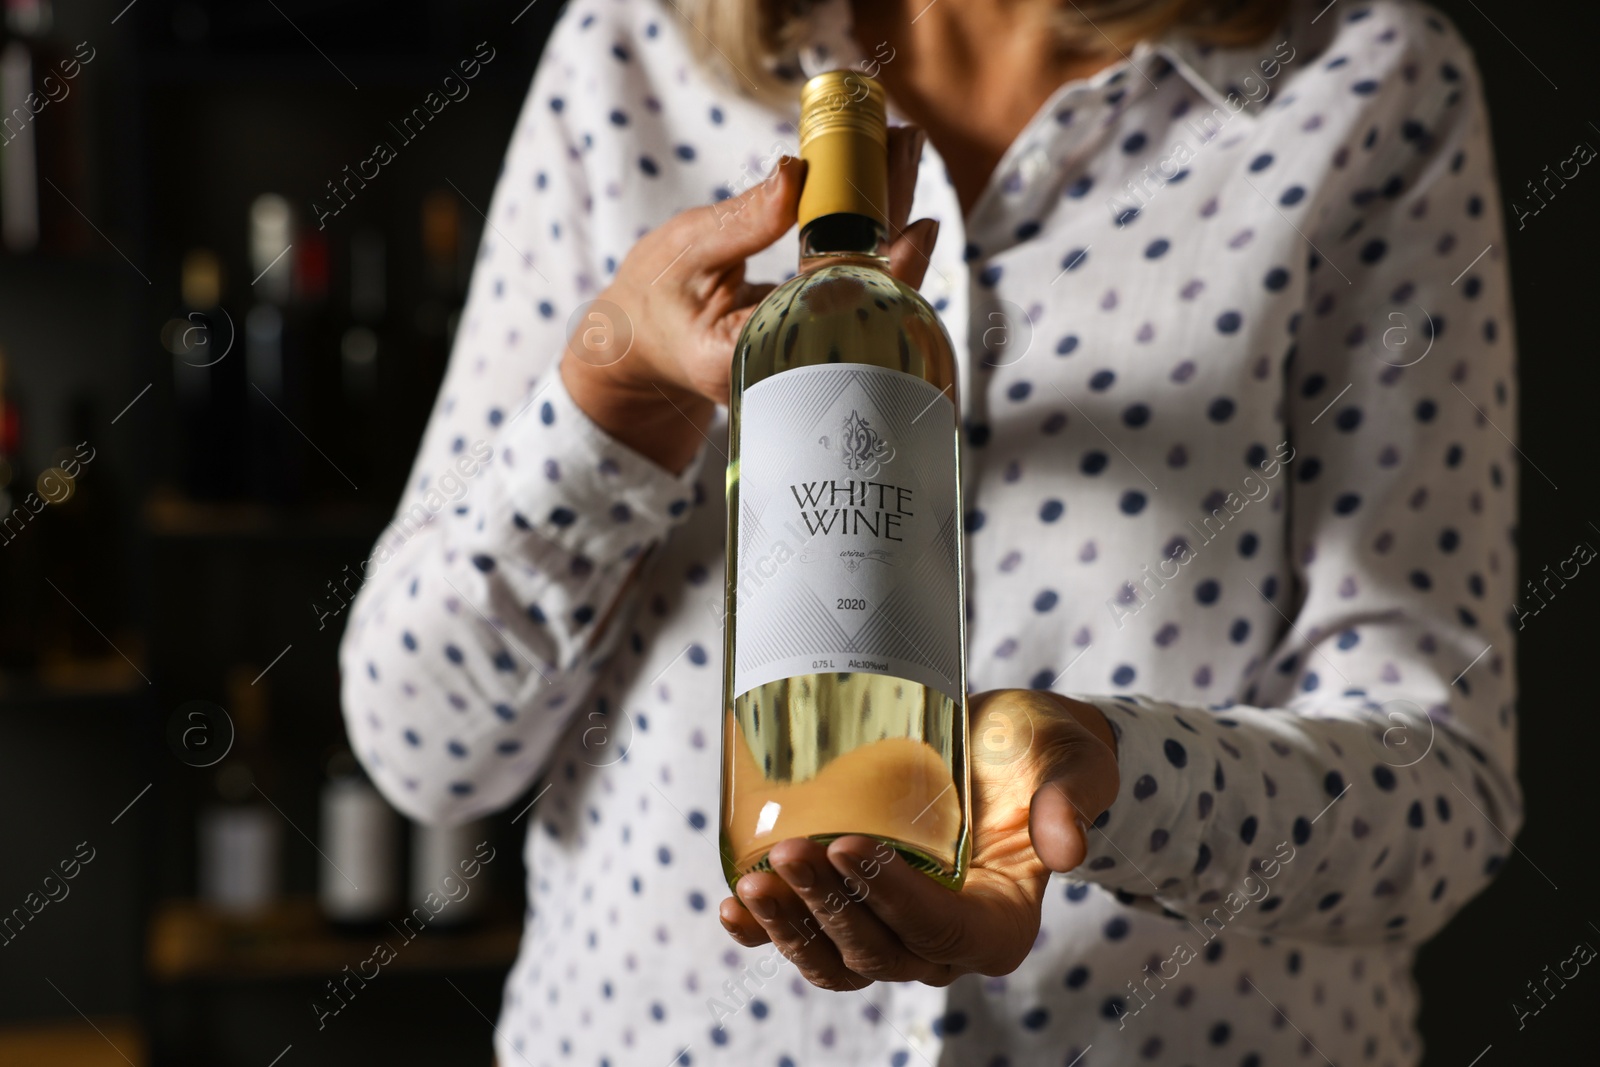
x=848, y=531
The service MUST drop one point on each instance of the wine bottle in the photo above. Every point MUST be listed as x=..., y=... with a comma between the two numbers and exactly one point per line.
x=80, y=521
x=207, y=385
x=844, y=684
x=21, y=606
x=240, y=853
x=276, y=451
x=439, y=311
x=359, y=885
x=10, y=451
x=441, y=856
x=19, y=182
x=361, y=347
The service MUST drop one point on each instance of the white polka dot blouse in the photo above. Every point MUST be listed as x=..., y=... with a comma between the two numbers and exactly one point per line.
x=1236, y=357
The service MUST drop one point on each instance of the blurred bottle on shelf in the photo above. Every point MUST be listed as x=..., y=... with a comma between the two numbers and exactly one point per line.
x=238, y=846
x=19, y=585
x=437, y=313
x=207, y=382
x=44, y=171
x=441, y=859
x=274, y=444
x=271, y=230
x=369, y=293
x=10, y=437
x=80, y=548
x=311, y=277
x=359, y=885
x=19, y=163
x=240, y=833
x=316, y=324
x=29, y=18
x=361, y=343
x=361, y=346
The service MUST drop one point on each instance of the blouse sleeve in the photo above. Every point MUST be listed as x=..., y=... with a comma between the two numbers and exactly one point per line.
x=1364, y=791
x=477, y=630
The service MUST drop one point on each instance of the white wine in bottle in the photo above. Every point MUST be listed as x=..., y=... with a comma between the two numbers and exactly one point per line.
x=844, y=685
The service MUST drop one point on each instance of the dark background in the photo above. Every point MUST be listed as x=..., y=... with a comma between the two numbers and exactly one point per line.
x=188, y=111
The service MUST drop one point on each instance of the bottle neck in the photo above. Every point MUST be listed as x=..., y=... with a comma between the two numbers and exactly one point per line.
x=843, y=237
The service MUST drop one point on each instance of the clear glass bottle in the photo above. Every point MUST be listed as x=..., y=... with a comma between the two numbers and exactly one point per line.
x=844, y=628
x=241, y=837
x=358, y=885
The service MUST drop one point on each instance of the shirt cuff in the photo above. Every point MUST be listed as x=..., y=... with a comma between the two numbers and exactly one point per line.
x=575, y=485
x=1149, y=839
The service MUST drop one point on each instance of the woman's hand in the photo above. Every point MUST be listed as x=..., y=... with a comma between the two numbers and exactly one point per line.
x=852, y=912
x=653, y=356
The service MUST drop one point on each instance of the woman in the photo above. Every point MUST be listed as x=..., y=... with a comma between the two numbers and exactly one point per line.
x=1228, y=288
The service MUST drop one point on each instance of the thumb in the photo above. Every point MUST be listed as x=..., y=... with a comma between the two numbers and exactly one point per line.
x=729, y=232
x=1081, y=781
x=909, y=256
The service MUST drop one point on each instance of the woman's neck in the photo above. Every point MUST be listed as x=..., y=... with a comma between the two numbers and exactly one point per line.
x=972, y=73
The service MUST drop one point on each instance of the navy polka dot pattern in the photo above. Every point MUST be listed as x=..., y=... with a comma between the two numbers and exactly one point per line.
x=1244, y=491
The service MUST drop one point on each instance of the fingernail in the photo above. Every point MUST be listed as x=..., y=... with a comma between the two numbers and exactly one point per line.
x=763, y=908
x=923, y=235
x=798, y=874
x=783, y=161
x=911, y=147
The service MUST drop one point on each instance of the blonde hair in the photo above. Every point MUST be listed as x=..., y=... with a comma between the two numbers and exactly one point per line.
x=748, y=41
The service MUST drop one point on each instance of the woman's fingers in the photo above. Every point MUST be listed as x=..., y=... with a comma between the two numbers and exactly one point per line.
x=729, y=232
x=957, y=931
x=905, y=155
x=1059, y=827
x=909, y=246
x=742, y=305
x=715, y=237
x=910, y=253
x=790, y=925
x=836, y=902
x=740, y=924
x=927, y=917
x=1080, y=780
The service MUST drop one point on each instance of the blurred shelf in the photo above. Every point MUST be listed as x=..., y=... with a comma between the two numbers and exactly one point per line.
x=58, y=675
x=103, y=675
x=189, y=941
x=74, y=1044
x=48, y=269
x=169, y=515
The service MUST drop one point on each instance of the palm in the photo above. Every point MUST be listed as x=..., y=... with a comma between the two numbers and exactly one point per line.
x=1006, y=879
x=884, y=921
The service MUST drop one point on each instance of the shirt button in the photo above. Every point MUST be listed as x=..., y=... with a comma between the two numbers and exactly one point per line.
x=1035, y=163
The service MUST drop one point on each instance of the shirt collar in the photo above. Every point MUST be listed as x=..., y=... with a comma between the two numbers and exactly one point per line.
x=1236, y=79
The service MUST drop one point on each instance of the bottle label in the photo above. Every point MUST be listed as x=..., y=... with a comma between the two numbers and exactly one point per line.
x=848, y=529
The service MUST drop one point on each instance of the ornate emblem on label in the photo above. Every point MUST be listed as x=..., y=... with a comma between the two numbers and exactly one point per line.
x=860, y=444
